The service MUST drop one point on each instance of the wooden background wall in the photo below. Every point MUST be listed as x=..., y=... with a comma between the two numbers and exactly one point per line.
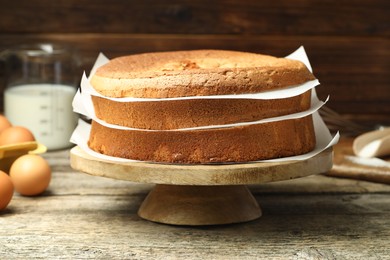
x=347, y=41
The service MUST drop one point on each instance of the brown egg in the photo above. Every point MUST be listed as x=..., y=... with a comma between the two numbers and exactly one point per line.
x=30, y=174
x=16, y=134
x=6, y=190
x=4, y=123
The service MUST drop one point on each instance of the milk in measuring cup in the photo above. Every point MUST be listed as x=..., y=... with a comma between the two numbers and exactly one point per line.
x=45, y=109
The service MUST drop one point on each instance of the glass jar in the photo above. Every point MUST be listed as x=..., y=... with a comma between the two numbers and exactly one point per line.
x=41, y=81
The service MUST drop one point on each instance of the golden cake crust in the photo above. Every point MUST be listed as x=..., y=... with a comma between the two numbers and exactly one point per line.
x=196, y=73
x=235, y=144
x=178, y=114
x=199, y=73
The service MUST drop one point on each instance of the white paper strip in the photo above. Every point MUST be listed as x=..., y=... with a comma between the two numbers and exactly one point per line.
x=323, y=141
x=82, y=104
x=300, y=54
x=291, y=91
x=100, y=61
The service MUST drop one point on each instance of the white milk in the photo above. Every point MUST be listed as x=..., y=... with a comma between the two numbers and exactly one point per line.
x=45, y=109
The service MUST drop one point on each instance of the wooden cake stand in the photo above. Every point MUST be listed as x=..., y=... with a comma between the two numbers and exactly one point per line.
x=200, y=194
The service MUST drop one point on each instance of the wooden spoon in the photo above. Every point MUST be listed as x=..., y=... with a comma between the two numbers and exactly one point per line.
x=373, y=144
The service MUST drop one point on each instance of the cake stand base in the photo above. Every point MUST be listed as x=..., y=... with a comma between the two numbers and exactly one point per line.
x=199, y=205
x=200, y=194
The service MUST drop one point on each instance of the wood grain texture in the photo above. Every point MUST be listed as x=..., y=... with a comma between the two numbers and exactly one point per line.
x=87, y=217
x=363, y=18
x=190, y=205
x=224, y=174
x=347, y=43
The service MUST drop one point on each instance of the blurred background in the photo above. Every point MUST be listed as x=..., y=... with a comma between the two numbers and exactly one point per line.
x=347, y=41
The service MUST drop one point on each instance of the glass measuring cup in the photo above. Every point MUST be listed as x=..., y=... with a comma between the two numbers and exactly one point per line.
x=41, y=81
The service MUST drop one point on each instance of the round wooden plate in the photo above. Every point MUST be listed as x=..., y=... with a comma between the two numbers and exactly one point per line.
x=200, y=194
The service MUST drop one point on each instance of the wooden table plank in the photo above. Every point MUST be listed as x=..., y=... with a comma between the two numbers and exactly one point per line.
x=83, y=217
x=102, y=226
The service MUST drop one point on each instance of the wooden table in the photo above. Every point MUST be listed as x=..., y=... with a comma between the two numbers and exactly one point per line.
x=83, y=216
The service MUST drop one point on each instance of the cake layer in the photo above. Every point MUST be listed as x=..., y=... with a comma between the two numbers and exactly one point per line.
x=195, y=112
x=196, y=73
x=235, y=144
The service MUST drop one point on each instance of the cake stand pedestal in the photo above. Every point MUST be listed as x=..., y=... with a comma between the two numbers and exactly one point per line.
x=200, y=194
